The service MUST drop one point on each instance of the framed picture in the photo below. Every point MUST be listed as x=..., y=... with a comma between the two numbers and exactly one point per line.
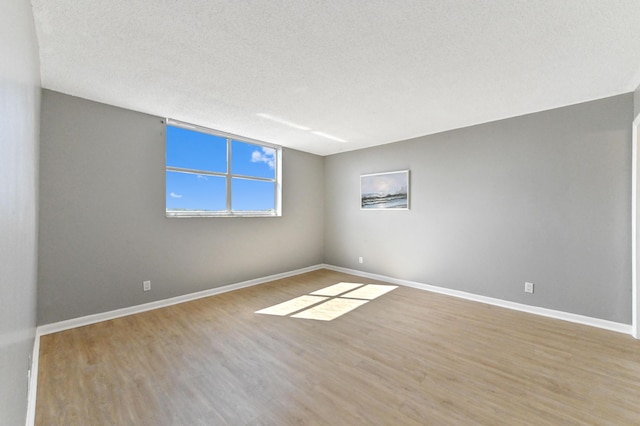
x=385, y=191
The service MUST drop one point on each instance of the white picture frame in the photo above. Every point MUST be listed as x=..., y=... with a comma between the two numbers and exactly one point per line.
x=385, y=191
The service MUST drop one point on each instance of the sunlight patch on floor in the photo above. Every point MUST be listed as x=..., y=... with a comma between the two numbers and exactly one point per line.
x=369, y=291
x=330, y=310
x=330, y=302
x=293, y=305
x=336, y=289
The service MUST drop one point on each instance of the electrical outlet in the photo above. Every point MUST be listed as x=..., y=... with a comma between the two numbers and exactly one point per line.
x=528, y=287
x=146, y=285
x=361, y=259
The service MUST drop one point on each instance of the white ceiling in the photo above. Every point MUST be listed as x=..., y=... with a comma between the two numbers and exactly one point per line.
x=368, y=72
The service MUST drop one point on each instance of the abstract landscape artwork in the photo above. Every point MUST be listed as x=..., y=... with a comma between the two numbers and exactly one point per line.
x=382, y=191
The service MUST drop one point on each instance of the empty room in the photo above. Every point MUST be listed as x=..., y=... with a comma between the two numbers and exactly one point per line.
x=319, y=212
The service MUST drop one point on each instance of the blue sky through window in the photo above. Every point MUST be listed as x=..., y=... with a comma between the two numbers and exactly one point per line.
x=252, y=195
x=188, y=149
x=252, y=160
x=194, y=150
x=186, y=191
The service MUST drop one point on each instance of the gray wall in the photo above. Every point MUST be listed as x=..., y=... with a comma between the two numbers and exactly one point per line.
x=103, y=228
x=542, y=198
x=636, y=102
x=19, y=120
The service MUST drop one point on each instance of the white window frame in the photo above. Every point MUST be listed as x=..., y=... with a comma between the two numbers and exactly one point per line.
x=277, y=180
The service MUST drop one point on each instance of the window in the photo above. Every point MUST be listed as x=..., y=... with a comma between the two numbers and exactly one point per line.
x=210, y=173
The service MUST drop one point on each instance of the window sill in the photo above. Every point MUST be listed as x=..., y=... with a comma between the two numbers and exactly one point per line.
x=196, y=214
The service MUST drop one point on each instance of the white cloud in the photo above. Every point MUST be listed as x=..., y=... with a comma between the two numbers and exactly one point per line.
x=174, y=195
x=202, y=177
x=267, y=155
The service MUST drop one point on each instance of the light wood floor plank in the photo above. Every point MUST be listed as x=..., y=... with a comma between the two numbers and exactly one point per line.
x=409, y=357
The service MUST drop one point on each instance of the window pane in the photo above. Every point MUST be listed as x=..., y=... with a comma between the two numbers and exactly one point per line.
x=252, y=195
x=253, y=160
x=192, y=192
x=189, y=149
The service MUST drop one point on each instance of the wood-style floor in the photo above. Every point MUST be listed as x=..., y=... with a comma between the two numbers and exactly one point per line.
x=409, y=357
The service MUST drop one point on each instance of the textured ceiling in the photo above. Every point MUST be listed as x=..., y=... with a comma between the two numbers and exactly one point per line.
x=301, y=72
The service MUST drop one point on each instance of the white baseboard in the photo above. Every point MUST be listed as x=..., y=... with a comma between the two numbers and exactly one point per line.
x=105, y=316
x=565, y=316
x=92, y=319
x=33, y=382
